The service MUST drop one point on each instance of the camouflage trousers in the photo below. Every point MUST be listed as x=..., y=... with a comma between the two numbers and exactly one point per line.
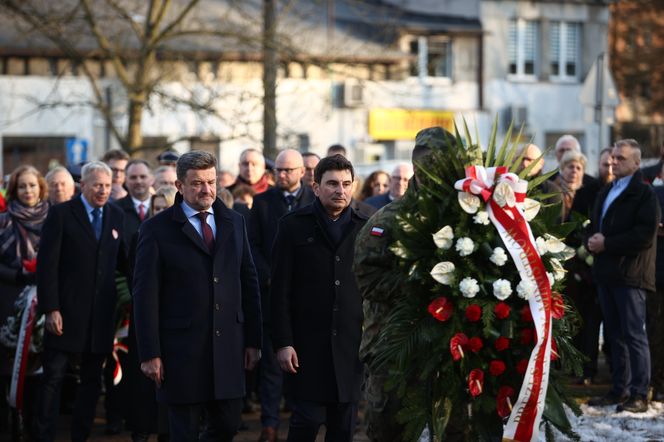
x=655, y=329
x=382, y=407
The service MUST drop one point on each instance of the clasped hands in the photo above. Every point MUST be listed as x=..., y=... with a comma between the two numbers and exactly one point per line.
x=596, y=243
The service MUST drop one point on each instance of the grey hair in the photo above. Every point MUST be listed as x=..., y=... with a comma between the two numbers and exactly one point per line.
x=244, y=153
x=633, y=144
x=568, y=137
x=94, y=167
x=571, y=156
x=51, y=173
x=194, y=160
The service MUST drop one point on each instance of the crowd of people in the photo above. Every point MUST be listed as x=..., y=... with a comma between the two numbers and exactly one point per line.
x=221, y=312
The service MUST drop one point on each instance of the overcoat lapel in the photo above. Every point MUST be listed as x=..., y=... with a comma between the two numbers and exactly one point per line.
x=79, y=213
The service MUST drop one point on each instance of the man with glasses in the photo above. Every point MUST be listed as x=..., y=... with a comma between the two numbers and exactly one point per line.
x=117, y=160
x=398, y=186
x=268, y=208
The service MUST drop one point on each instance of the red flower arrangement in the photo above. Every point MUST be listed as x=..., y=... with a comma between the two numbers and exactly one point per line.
x=496, y=367
x=473, y=313
x=475, y=344
x=458, y=343
x=557, y=305
x=502, y=343
x=441, y=309
x=501, y=310
x=30, y=265
x=522, y=366
x=527, y=335
x=475, y=382
x=504, y=400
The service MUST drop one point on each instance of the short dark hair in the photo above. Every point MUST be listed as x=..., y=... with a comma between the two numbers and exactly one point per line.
x=138, y=161
x=336, y=149
x=335, y=162
x=194, y=160
x=310, y=154
x=115, y=154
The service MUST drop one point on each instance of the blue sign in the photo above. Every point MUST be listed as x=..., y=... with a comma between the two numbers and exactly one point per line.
x=77, y=150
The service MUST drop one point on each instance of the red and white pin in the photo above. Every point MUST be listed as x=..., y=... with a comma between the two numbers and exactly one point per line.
x=377, y=231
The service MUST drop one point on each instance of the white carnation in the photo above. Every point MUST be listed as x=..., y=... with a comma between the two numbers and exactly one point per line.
x=482, y=217
x=502, y=289
x=469, y=287
x=465, y=246
x=525, y=289
x=443, y=237
x=498, y=257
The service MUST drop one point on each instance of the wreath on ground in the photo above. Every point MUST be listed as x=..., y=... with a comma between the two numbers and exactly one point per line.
x=459, y=339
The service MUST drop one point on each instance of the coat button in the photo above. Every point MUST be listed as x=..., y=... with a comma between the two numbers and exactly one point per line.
x=218, y=333
x=337, y=283
x=335, y=308
x=310, y=239
x=216, y=280
x=337, y=258
x=217, y=307
x=334, y=332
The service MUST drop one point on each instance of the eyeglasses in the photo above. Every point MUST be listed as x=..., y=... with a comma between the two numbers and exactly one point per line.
x=287, y=170
x=116, y=170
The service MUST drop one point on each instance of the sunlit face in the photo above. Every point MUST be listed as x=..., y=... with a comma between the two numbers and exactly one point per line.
x=27, y=189
x=310, y=163
x=531, y=154
x=252, y=166
x=563, y=148
x=380, y=185
x=625, y=161
x=399, y=180
x=165, y=178
x=199, y=188
x=96, y=188
x=159, y=204
x=139, y=180
x=573, y=174
x=289, y=170
x=606, y=167
x=118, y=167
x=335, y=191
x=60, y=187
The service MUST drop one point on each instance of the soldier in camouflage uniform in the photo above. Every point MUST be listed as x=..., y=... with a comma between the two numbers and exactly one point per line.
x=378, y=283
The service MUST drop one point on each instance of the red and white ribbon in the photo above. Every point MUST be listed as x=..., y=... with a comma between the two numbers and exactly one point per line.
x=23, y=348
x=120, y=333
x=506, y=214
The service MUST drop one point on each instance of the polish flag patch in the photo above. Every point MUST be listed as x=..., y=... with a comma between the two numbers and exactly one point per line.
x=377, y=231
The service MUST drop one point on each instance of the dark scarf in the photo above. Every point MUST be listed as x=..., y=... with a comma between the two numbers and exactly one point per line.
x=20, y=228
x=335, y=230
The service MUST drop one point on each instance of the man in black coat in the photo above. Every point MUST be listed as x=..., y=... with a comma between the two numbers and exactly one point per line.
x=136, y=205
x=317, y=309
x=197, y=305
x=268, y=207
x=625, y=220
x=81, y=247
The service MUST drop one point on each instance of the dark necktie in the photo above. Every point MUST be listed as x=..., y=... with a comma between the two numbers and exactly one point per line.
x=96, y=222
x=208, y=237
x=290, y=199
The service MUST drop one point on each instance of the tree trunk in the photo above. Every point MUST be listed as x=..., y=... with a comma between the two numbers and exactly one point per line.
x=269, y=79
x=134, y=134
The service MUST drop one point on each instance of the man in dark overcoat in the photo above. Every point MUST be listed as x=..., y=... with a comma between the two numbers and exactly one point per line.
x=317, y=308
x=625, y=220
x=197, y=305
x=289, y=194
x=81, y=248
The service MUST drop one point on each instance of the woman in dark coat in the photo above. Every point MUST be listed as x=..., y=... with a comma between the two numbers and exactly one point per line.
x=20, y=229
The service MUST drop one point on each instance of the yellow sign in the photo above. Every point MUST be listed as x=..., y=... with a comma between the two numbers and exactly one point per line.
x=404, y=124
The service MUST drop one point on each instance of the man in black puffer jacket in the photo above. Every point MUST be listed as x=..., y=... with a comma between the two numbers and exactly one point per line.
x=625, y=220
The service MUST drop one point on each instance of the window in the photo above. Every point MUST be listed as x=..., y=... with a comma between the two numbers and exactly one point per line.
x=564, y=46
x=433, y=56
x=522, y=47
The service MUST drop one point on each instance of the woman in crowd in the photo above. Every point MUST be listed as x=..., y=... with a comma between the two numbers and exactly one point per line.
x=20, y=230
x=570, y=179
x=376, y=183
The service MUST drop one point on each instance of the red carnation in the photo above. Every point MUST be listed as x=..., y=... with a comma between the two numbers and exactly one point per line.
x=501, y=310
x=475, y=382
x=458, y=343
x=30, y=265
x=557, y=305
x=504, y=400
x=527, y=335
x=496, y=367
x=526, y=316
x=473, y=312
x=475, y=344
x=502, y=343
x=554, y=350
x=522, y=366
x=441, y=309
